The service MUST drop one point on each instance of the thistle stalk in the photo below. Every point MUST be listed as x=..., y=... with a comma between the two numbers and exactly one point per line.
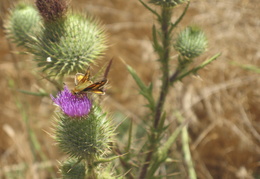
x=164, y=56
x=164, y=59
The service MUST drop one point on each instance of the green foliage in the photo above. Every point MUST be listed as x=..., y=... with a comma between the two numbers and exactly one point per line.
x=72, y=169
x=145, y=91
x=190, y=44
x=85, y=137
x=248, y=67
x=194, y=70
x=107, y=173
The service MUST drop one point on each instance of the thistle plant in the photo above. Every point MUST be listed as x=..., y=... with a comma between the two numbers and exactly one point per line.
x=83, y=132
x=63, y=42
x=189, y=44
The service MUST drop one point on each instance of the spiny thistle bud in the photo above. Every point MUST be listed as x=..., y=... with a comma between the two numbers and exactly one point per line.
x=72, y=169
x=71, y=43
x=80, y=133
x=167, y=3
x=191, y=42
x=22, y=24
x=85, y=138
x=52, y=10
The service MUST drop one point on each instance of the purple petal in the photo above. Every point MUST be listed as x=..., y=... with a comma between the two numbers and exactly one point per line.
x=72, y=105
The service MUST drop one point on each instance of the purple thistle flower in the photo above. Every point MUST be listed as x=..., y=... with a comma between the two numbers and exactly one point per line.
x=72, y=105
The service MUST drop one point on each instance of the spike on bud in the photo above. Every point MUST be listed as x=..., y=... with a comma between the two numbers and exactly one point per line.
x=52, y=10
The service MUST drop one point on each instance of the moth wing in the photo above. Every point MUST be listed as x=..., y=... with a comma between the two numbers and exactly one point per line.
x=97, y=85
x=98, y=91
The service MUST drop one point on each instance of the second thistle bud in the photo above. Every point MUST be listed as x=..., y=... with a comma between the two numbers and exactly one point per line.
x=191, y=42
x=22, y=24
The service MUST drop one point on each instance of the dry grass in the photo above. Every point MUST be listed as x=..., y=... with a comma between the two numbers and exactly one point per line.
x=222, y=103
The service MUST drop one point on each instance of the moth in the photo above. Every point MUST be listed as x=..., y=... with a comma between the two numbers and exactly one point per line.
x=83, y=84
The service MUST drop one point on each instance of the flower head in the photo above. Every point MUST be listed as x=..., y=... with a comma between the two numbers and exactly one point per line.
x=72, y=105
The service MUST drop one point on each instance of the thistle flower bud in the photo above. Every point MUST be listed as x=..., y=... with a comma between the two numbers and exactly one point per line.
x=167, y=3
x=86, y=138
x=80, y=133
x=72, y=43
x=191, y=42
x=22, y=23
x=52, y=10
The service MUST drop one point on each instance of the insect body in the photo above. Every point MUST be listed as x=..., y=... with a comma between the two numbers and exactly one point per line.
x=83, y=84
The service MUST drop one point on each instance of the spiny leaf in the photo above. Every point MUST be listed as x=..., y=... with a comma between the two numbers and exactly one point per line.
x=138, y=81
x=196, y=69
x=145, y=91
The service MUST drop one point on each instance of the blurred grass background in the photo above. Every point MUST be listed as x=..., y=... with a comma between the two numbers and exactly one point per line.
x=222, y=101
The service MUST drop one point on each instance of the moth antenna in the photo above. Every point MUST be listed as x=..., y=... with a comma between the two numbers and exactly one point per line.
x=108, y=68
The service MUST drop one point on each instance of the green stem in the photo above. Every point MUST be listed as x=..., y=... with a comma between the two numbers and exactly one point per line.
x=186, y=148
x=187, y=153
x=164, y=59
x=91, y=172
